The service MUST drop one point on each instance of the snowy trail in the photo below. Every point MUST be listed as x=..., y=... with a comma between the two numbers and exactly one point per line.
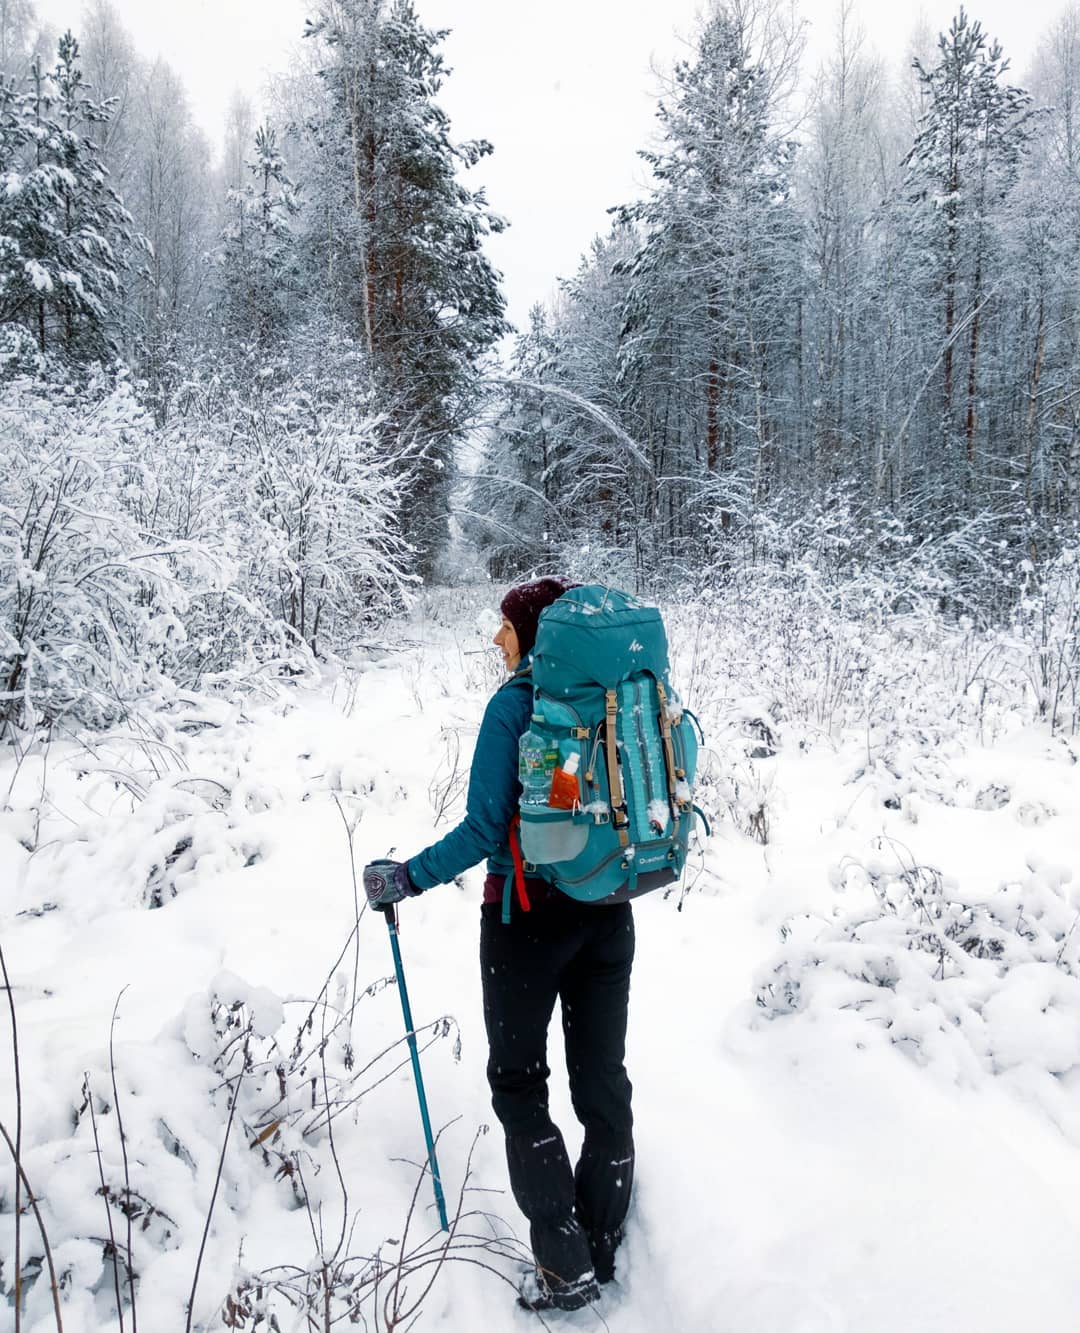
x=798, y=1175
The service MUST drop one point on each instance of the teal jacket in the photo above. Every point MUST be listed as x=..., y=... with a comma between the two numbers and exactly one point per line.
x=494, y=789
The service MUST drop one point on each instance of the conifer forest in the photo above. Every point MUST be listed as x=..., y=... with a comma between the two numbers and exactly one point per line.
x=260, y=388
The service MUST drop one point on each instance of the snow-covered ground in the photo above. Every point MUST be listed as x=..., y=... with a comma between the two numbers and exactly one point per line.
x=855, y=1033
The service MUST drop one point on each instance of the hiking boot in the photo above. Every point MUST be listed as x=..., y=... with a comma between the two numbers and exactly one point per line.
x=537, y=1293
x=602, y=1249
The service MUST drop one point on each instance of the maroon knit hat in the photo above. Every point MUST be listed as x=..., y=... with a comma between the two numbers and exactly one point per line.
x=522, y=606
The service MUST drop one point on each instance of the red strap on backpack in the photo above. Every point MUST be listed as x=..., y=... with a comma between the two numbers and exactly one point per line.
x=519, y=865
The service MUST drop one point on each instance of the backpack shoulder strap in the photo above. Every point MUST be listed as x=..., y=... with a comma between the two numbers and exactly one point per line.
x=523, y=676
x=516, y=879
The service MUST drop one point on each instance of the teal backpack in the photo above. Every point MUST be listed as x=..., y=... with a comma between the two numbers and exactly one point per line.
x=601, y=691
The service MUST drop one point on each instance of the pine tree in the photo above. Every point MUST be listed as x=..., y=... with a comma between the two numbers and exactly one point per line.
x=716, y=286
x=963, y=164
x=397, y=239
x=258, y=258
x=61, y=223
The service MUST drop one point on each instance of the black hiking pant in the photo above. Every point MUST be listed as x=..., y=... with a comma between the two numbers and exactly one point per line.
x=583, y=955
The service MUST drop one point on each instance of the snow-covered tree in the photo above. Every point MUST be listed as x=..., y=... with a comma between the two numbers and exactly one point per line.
x=1046, y=256
x=716, y=287
x=111, y=68
x=258, y=256
x=16, y=36
x=839, y=186
x=396, y=239
x=510, y=513
x=964, y=162
x=62, y=225
x=172, y=200
x=239, y=128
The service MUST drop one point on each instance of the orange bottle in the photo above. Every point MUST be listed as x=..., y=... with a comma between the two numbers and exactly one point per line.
x=565, y=791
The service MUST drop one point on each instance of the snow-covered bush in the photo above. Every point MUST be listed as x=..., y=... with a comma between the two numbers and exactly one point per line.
x=243, y=1106
x=1047, y=622
x=93, y=600
x=249, y=533
x=19, y=354
x=313, y=496
x=970, y=982
x=810, y=624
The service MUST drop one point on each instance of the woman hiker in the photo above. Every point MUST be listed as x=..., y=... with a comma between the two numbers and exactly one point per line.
x=579, y=952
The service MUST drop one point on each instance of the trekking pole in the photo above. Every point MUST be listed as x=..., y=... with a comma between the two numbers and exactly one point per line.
x=410, y=1036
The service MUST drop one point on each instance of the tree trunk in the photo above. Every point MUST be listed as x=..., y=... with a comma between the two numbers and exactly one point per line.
x=1033, y=398
x=712, y=403
x=971, y=417
x=712, y=389
x=950, y=322
x=363, y=156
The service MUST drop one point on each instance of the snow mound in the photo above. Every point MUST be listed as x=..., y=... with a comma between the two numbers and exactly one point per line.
x=971, y=984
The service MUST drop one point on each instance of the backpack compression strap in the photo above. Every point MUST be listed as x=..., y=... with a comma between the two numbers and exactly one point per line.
x=673, y=773
x=615, y=791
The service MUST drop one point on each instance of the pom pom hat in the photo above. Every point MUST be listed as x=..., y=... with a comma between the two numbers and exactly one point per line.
x=522, y=606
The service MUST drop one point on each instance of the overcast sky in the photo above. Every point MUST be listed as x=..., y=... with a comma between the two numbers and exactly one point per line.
x=564, y=90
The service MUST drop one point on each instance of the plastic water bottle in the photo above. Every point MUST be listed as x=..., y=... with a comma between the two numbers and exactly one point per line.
x=537, y=758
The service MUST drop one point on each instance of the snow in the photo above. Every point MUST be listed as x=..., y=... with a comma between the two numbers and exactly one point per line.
x=855, y=1045
x=38, y=276
x=658, y=814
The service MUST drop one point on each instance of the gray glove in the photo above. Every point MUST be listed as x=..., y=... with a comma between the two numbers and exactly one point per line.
x=386, y=883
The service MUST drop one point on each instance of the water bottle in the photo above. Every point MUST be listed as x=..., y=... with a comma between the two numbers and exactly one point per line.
x=537, y=757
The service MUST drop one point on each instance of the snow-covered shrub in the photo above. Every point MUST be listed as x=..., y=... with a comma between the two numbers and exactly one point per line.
x=248, y=534
x=225, y=1114
x=831, y=646
x=148, y=837
x=93, y=600
x=1047, y=622
x=313, y=497
x=19, y=354
x=970, y=982
x=964, y=565
x=792, y=656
